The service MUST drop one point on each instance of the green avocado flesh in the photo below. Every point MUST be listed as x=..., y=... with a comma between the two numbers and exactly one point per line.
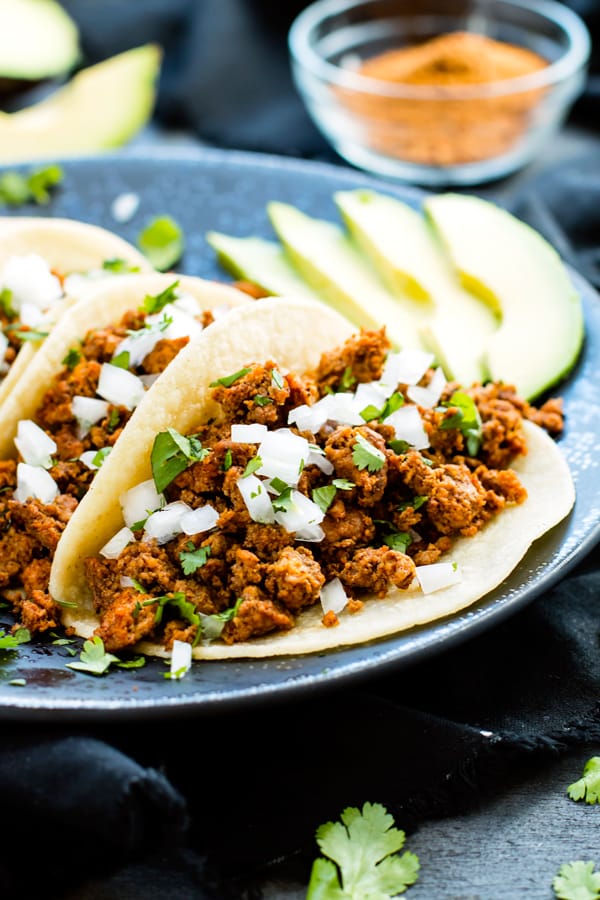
x=510, y=265
x=404, y=249
x=37, y=40
x=262, y=262
x=103, y=106
x=328, y=261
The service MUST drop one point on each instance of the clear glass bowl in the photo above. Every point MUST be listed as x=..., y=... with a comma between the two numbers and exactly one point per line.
x=430, y=134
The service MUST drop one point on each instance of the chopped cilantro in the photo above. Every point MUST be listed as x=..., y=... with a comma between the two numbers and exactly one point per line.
x=93, y=658
x=391, y=405
x=211, y=626
x=179, y=601
x=6, y=298
x=577, y=881
x=588, y=786
x=121, y=360
x=113, y=420
x=277, y=378
x=162, y=242
x=171, y=454
x=17, y=188
x=62, y=642
x=347, y=379
x=262, y=400
x=227, y=460
x=66, y=604
x=118, y=266
x=343, y=484
x=12, y=641
x=72, y=358
x=399, y=447
x=137, y=526
x=17, y=682
x=416, y=503
x=278, y=484
x=399, y=541
x=283, y=502
x=192, y=558
x=177, y=674
x=156, y=303
x=228, y=380
x=323, y=496
x=252, y=465
x=367, y=456
x=30, y=334
x=101, y=456
x=136, y=663
x=466, y=418
x=363, y=858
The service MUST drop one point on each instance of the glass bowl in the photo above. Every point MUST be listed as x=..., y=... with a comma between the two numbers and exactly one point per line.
x=436, y=134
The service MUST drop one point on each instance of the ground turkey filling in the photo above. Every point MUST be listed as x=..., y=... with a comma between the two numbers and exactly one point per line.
x=255, y=578
x=30, y=531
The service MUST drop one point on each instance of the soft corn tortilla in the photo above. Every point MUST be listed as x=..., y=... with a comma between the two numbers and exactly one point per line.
x=294, y=334
x=101, y=306
x=67, y=246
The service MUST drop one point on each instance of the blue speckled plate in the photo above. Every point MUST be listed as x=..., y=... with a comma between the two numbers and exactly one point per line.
x=228, y=192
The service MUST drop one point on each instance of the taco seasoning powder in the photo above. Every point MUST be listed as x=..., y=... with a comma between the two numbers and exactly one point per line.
x=444, y=129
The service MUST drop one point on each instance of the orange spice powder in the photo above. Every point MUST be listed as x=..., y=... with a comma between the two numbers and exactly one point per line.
x=445, y=130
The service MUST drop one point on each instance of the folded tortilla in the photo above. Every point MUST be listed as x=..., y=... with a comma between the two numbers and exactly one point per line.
x=294, y=334
x=68, y=247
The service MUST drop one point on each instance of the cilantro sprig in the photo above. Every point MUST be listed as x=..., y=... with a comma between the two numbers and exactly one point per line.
x=17, y=188
x=12, y=641
x=588, y=786
x=361, y=857
x=577, y=881
x=162, y=242
x=466, y=418
x=366, y=456
x=94, y=659
x=193, y=559
x=172, y=452
x=155, y=303
x=228, y=380
x=391, y=405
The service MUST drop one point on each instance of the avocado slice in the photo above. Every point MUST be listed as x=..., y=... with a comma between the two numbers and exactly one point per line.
x=102, y=106
x=262, y=262
x=407, y=253
x=329, y=262
x=511, y=266
x=38, y=39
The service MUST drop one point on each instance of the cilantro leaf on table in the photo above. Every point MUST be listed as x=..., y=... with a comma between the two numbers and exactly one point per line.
x=12, y=641
x=577, y=881
x=364, y=846
x=162, y=242
x=588, y=786
x=17, y=188
x=93, y=658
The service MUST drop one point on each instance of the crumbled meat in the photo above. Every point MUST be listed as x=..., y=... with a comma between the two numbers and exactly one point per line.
x=374, y=569
x=257, y=615
x=339, y=450
x=362, y=358
x=295, y=578
x=163, y=353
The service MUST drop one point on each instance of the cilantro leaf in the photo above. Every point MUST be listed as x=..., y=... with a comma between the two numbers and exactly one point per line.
x=212, y=625
x=366, y=456
x=93, y=658
x=577, y=881
x=277, y=378
x=162, y=242
x=466, y=418
x=588, y=786
x=227, y=460
x=17, y=188
x=12, y=641
x=391, y=405
x=72, y=358
x=251, y=466
x=399, y=541
x=30, y=334
x=171, y=454
x=364, y=845
x=262, y=400
x=101, y=456
x=117, y=265
x=121, y=360
x=323, y=496
x=179, y=601
x=6, y=299
x=136, y=663
x=283, y=501
x=347, y=379
x=157, y=302
x=228, y=380
x=343, y=484
x=192, y=559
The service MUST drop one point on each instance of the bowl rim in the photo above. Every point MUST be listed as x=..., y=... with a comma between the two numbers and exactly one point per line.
x=572, y=61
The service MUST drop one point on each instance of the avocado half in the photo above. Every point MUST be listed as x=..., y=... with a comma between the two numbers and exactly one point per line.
x=101, y=107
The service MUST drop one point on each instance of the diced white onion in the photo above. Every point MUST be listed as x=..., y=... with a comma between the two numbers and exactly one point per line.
x=202, y=519
x=408, y=425
x=436, y=576
x=369, y=394
x=305, y=417
x=3, y=346
x=87, y=458
x=219, y=311
x=88, y=411
x=283, y=455
x=36, y=483
x=302, y=514
x=165, y=524
x=125, y=581
x=149, y=380
x=181, y=324
x=181, y=658
x=139, y=344
x=35, y=446
x=405, y=367
x=312, y=534
x=333, y=596
x=119, y=386
x=30, y=315
x=248, y=434
x=124, y=207
x=428, y=397
x=186, y=303
x=30, y=281
x=113, y=548
x=318, y=459
x=140, y=501
x=256, y=498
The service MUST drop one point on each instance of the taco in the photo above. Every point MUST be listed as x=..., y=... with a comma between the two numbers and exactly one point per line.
x=45, y=266
x=67, y=412
x=331, y=493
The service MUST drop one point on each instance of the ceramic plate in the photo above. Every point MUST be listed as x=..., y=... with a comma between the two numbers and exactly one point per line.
x=228, y=192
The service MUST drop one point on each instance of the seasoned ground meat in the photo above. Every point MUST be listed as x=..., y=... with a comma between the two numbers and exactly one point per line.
x=295, y=578
x=361, y=359
x=257, y=615
x=257, y=396
x=374, y=569
x=339, y=449
x=164, y=352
